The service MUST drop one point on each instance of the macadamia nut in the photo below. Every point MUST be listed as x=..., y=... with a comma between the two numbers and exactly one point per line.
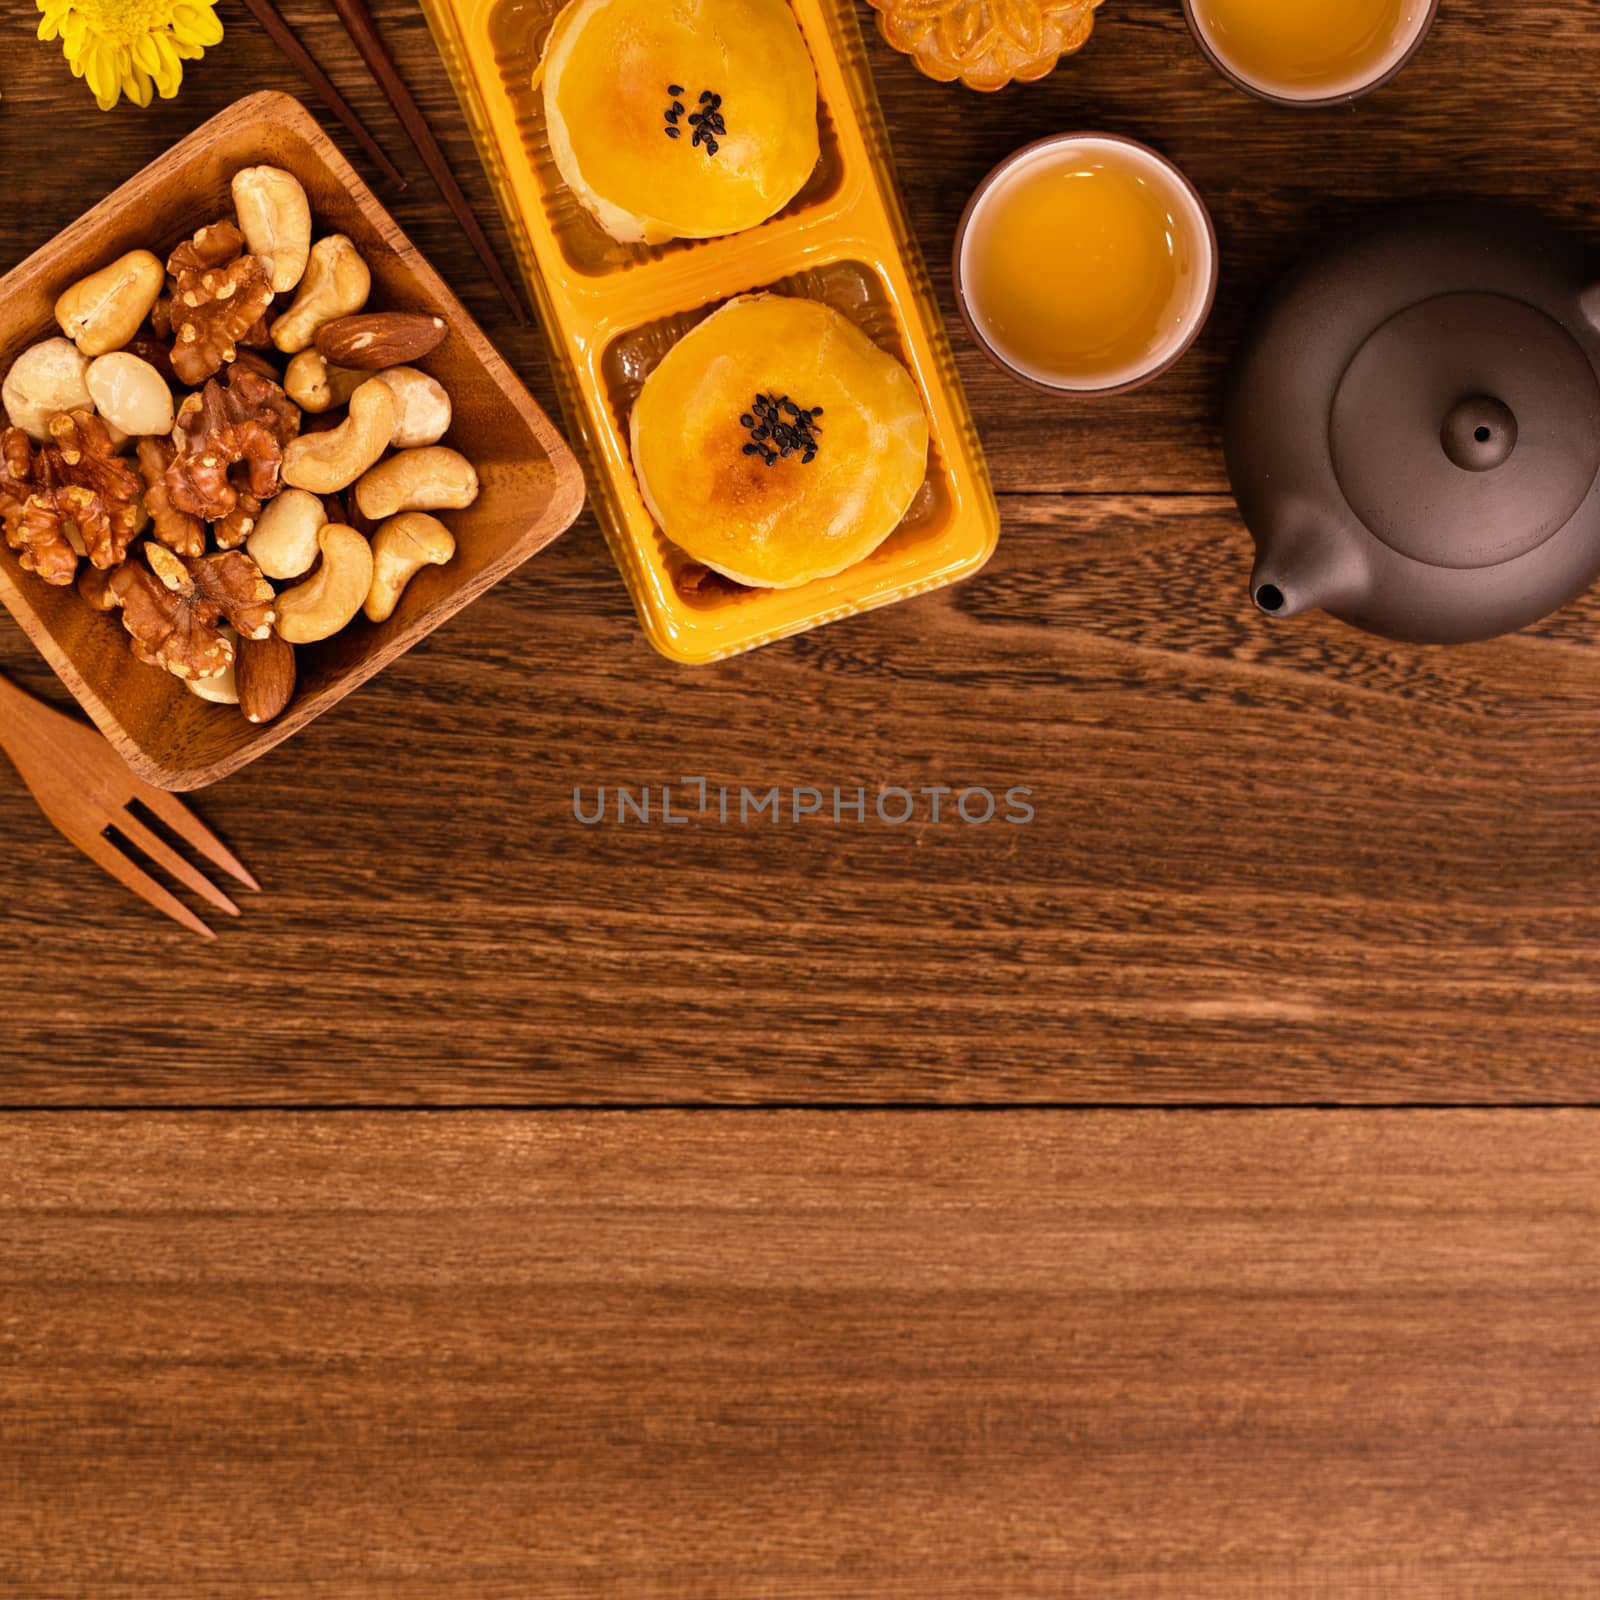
x=130, y=394
x=284, y=541
x=46, y=379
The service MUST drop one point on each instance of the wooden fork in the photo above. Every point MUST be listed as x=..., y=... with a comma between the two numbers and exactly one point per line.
x=84, y=787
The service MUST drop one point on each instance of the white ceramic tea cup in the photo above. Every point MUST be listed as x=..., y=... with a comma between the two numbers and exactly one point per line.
x=1412, y=27
x=1185, y=211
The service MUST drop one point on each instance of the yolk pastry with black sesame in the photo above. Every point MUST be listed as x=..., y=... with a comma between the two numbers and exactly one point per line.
x=776, y=443
x=680, y=119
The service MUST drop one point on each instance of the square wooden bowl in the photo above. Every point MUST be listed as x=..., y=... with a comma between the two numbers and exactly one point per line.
x=532, y=487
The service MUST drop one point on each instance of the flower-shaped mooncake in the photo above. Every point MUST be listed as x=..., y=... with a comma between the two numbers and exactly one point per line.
x=986, y=43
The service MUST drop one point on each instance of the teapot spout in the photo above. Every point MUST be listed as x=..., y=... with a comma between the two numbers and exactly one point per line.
x=1313, y=569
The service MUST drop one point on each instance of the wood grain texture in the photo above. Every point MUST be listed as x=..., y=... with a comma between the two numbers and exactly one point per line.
x=1269, y=863
x=775, y=1354
x=1296, y=864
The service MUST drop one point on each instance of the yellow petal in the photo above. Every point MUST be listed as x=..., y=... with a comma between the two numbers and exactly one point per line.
x=197, y=24
x=146, y=56
x=170, y=69
x=100, y=69
x=137, y=86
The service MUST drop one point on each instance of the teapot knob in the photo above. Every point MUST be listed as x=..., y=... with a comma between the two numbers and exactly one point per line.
x=1479, y=433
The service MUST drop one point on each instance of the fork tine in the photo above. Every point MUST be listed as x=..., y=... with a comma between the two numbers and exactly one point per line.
x=104, y=853
x=167, y=858
x=194, y=832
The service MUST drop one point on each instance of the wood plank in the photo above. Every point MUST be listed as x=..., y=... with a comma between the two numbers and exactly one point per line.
x=794, y=1354
x=1268, y=862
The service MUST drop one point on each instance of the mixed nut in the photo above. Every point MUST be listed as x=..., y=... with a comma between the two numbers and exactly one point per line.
x=222, y=532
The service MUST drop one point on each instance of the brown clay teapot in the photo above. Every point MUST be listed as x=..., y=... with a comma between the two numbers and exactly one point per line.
x=1413, y=428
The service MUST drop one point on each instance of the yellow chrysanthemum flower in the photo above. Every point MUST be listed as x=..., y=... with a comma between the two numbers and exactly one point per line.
x=130, y=47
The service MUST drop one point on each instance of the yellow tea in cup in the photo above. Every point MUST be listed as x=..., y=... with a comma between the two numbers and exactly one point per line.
x=1085, y=263
x=1310, y=50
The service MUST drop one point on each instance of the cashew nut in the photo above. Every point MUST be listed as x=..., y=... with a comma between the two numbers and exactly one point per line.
x=401, y=548
x=284, y=541
x=430, y=479
x=336, y=284
x=103, y=311
x=424, y=407
x=130, y=394
x=316, y=385
x=330, y=461
x=46, y=379
x=275, y=218
x=333, y=594
x=223, y=690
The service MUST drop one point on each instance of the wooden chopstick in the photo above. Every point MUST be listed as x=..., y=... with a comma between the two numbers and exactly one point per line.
x=358, y=23
x=267, y=15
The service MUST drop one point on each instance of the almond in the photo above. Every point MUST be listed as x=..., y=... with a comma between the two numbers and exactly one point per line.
x=264, y=675
x=372, y=340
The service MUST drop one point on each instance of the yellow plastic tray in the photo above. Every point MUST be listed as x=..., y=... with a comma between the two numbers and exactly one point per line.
x=611, y=311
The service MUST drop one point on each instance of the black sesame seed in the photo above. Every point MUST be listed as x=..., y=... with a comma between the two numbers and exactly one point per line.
x=752, y=449
x=816, y=411
x=674, y=133
x=674, y=88
x=747, y=421
x=808, y=458
x=705, y=97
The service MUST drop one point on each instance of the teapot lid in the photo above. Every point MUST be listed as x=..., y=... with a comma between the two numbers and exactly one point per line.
x=1466, y=430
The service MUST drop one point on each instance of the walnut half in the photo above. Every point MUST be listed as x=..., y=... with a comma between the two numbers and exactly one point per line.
x=218, y=297
x=173, y=608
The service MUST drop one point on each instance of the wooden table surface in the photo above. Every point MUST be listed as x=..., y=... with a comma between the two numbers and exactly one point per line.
x=520, y=1350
